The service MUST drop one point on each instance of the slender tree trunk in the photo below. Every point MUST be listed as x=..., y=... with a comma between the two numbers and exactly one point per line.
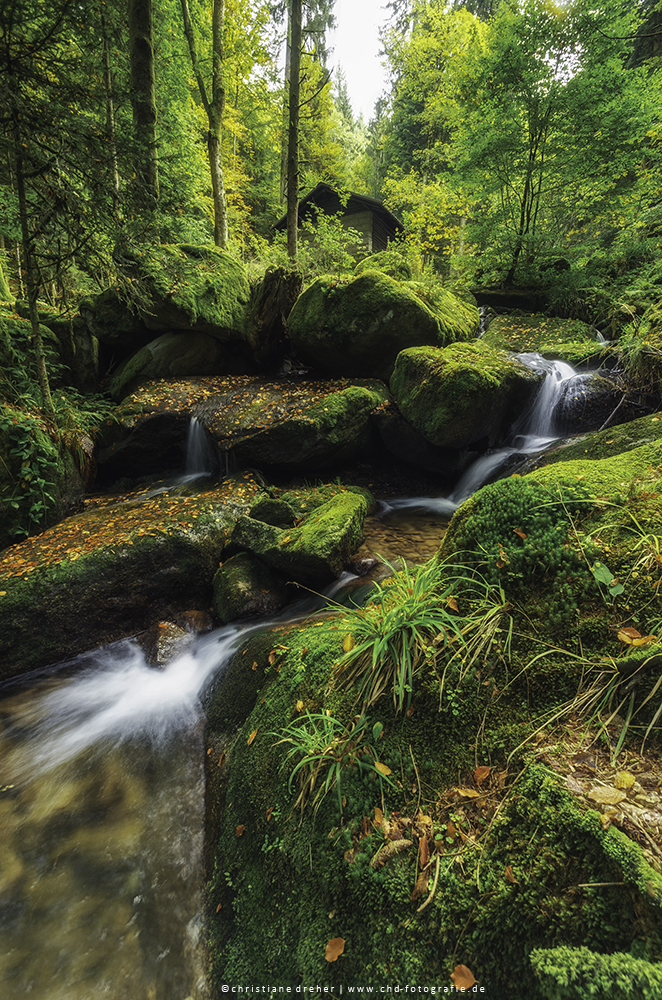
x=143, y=95
x=293, y=133
x=286, y=108
x=110, y=118
x=31, y=273
x=215, y=109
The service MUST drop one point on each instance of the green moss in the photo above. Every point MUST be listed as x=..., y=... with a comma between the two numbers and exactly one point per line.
x=358, y=326
x=604, y=444
x=608, y=477
x=568, y=340
x=458, y=394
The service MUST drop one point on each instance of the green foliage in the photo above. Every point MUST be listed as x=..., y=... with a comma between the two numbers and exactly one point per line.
x=29, y=462
x=329, y=749
x=582, y=974
x=393, y=634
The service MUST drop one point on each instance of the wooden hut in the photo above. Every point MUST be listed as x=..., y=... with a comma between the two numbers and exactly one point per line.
x=376, y=224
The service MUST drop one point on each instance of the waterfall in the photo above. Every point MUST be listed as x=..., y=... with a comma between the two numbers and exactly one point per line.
x=534, y=431
x=201, y=452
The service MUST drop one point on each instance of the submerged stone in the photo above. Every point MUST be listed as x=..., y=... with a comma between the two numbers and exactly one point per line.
x=245, y=587
x=358, y=326
x=463, y=394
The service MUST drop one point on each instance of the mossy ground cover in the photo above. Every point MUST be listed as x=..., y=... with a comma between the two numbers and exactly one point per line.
x=568, y=340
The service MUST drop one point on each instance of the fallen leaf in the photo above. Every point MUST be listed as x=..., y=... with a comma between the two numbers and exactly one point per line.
x=221, y=759
x=348, y=643
x=239, y=830
x=628, y=635
x=382, y=768
x=334, y=949
x=518, y=531
x=209, y=751
x=410, y=711
x=463, y=977
x=452, y=603
x=299, y=705
x=423, y=851
x=254, y=667
x=467, y=793
x=251, y=737
x=481, y=773
x=379, y=816
x=606, y=796
x=219, y=907
x=644, y=640
x=623, y=780
x=270, y=810
x=272, y=657
x=509, y=875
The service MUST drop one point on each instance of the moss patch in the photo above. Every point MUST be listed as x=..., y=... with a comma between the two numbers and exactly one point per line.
x=568, y=340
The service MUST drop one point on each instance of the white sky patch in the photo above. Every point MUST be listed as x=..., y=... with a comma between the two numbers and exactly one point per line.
x=355, y=44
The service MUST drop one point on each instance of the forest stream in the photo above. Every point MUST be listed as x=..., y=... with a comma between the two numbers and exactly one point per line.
x=102, y=781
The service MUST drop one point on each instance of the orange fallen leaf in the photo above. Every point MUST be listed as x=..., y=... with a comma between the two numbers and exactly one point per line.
x=421, y=886
x=251, y=737
x=467, y=793
x=270, y=809
x=334, y=949
x=221, y=759
x=423, y=851
x=463, y=977
x=452, y=603
x=481, y=773
x=518, y=531
x=220, y=905
x=239, y=830
x=509, y=875
x=628, y=635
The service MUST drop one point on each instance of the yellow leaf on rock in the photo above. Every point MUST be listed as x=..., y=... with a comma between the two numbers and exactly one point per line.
x=606, y=796
x=239, y=830
x=334, y=949
x=299, y=705
x=251, y=737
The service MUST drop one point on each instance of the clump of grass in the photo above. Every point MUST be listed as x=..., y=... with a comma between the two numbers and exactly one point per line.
x=328, y=750
x=402, y=627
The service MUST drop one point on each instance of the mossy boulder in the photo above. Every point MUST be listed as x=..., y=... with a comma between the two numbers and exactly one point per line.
x=460, y=395
x=604, y=444
x=390, y=262
x=176, y=355
x=318, y=548
x=556, y=339
x=290, y=425
x=544, y=537
x=182, y=287
x=357, y=326
x=245, y=587
x=112, y=570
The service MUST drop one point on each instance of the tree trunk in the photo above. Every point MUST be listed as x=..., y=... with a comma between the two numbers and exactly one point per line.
x=293, y=132
x=143, y=97
x=110, y=117
x=31, y=275
x=286, y=109
x=215, y=108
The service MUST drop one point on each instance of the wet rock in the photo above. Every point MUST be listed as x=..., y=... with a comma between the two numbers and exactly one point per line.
x=291, y=425
x=358, y=326
x=408, y=445
x=272, y=302
x=245, y=587
x=461, y=395
x=165, y=642
x=556, y=339
x=318, y=548
x=110, y=571
x=274, y=511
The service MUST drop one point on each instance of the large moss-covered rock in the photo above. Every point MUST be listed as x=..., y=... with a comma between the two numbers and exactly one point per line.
x=291, y=425
x=556, y=339
x=175, y=355
x=603, y=444
x=462, y=394
x=543, y=537
x=181, y=287
x=112, y=570
x=316, y=549
x=357, y=326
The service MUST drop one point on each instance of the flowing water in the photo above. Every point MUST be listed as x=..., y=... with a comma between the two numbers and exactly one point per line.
x=102, y=797
x=102, y=788
x=534, y=431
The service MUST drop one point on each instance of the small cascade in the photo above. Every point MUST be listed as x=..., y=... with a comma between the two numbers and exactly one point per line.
x=534, y=431
x=201, y=452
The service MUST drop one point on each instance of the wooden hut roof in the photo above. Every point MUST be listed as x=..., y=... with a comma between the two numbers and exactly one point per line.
x=327, y=199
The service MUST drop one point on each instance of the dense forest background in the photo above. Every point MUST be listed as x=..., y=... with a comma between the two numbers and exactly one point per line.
x=513, y=133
